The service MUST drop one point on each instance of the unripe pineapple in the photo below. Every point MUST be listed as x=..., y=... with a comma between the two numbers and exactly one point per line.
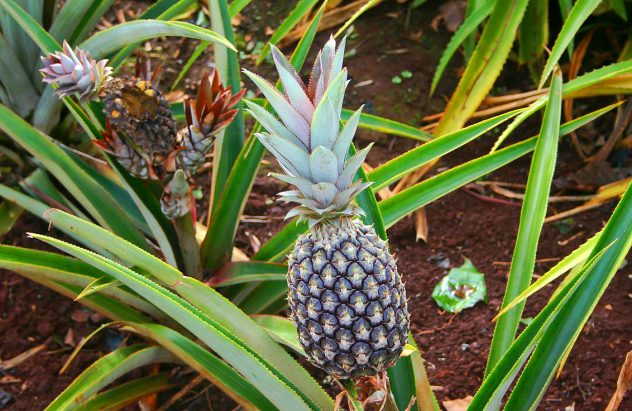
x=207, y=115
x=345, y=295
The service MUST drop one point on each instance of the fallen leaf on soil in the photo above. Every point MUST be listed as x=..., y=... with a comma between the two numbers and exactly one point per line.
x=624, y=383
x=69, y=339
x=9, y=379
x=457, y=405
x=20, y=358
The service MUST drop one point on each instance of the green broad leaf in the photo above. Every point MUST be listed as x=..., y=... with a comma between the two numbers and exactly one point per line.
x=582, y=9
x=277, y=247
x=485, y=64
x=107, y=369
x=469, y=26
x=16, y=81
x=163, y=10
x=86, y=190
x=163, y=7
x=108, y=41
x=619, y=7
x=40, y=186
x=398, y=167
x=31, y=26
x=98, y=285
x=10, y=212
x=227, y=211
x=302, y=9
x=47, y=111
x=533, y=212
x=282, y=330
x=33, y=206
x=614, y=243
x=20, y=42
x=403, y=203
x=384, y=125
x=367, y=201
x=491, y=393
x=249, y=272
x=408, y=379
x=461, y=288
x=236, y=6
x=115, y=184
x=264, y=298
x=66, y=20
x=149, y=206
x=128, y=393
x=229, y=143
x=575, y=259
x=206, y=364
x=211, y=303
x=565, y=9
x=73, y=276
x=534, y=32
x=89, y=20
x=247, y=361
x=421, y=194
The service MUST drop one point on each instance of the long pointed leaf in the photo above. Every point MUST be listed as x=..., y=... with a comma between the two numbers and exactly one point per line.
x=532, y=217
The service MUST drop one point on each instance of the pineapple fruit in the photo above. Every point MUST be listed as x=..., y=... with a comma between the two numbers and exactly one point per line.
x=345, y=295
x=140, y=128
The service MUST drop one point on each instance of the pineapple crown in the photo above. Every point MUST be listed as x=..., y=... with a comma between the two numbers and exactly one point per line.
x=75, y=72
x=307, y=139
x=208, y=114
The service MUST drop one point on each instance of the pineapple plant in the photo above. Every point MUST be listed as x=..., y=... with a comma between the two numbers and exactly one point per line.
x=346, y=297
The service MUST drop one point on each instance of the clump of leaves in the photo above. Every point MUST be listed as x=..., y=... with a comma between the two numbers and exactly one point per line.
x=461, y=288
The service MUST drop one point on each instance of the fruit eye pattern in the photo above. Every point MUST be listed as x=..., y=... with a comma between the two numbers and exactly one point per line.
x=351, y=317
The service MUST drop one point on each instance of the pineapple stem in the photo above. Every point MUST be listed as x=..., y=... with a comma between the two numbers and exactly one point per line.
x=190, y=249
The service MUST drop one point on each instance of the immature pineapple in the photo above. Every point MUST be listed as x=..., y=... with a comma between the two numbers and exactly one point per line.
x=207, y=115
x=345, y=294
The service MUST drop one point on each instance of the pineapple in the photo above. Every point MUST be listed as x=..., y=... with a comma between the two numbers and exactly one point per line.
x=345, y=295
x=135, y=106
x=207, y=115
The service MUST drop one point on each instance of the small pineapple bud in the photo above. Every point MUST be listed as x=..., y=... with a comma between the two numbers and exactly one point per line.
x=137, y=164
x=176, y=200
x=75, y=72
x=207, y=115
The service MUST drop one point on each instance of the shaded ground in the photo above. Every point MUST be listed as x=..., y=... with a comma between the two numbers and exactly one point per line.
x=455, y=347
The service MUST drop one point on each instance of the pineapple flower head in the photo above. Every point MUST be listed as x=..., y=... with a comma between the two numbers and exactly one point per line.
x=307, y=140
x=137, y=109
x=131, y=159
x=177, y=199
x=75, y=72
x=212, y=110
